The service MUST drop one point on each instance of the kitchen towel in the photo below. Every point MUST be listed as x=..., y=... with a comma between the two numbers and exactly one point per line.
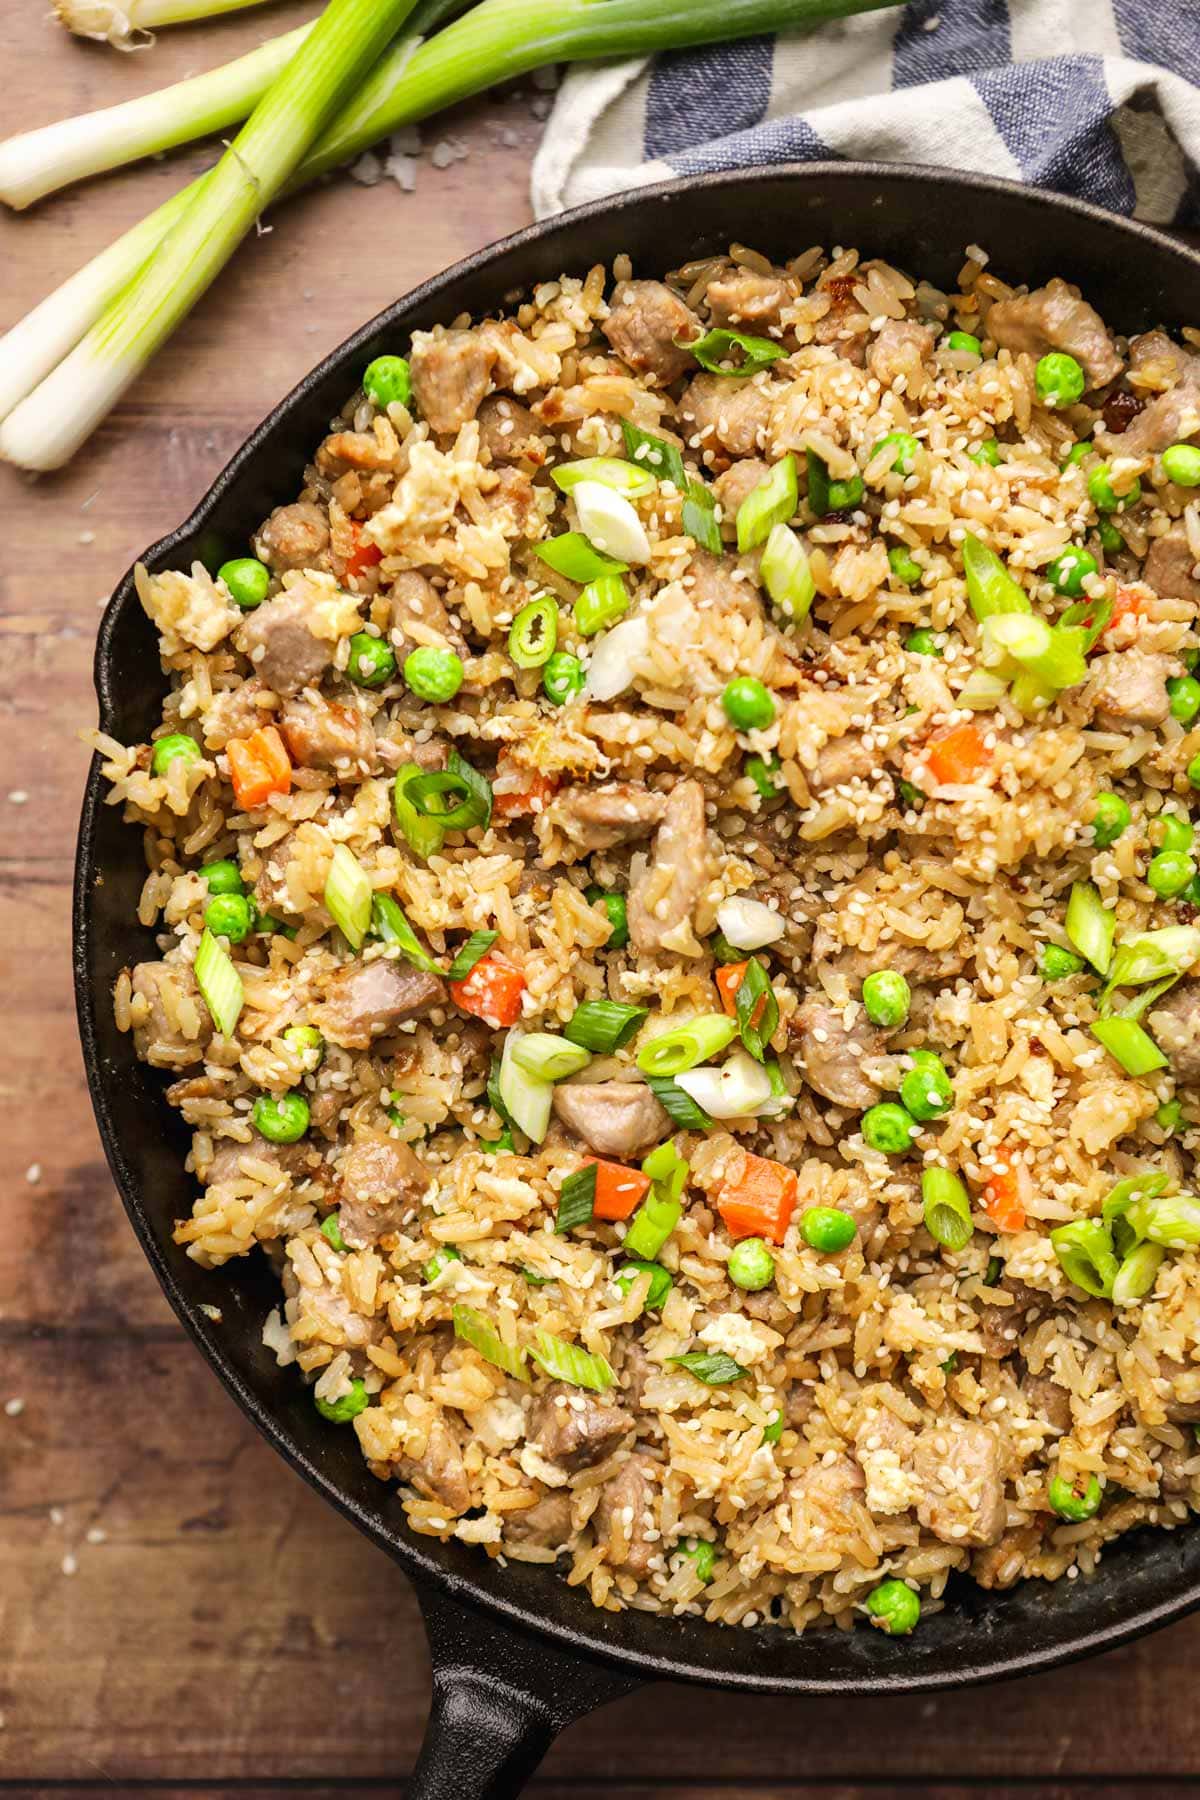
x=1095, y=98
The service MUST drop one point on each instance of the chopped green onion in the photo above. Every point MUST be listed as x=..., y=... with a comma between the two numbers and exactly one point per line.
x=604, y=1026
x=473, y=1329
x=442, y=1259
x=602, y=602
x=468, y=954
x=983, y=692
x=946, y=1208
x=1091, y=616
x=526, y=1100
x=786, y=574
x=632, y=478
x=655, y=454
x=988, y=453
x=534, y=633
x=1152, y=954
x=1054, y=653
x=990, y=587
x=712, y=349
x=567, y=1362
x=699, y=517
x=771, y=503
x=348, y=896
x=1090, y=926
x=666, y=1169
x=1133, y=1048
x=571, y=555
x=577, y=1199
x=773, y=1430
x=421, y=832
x=651, y=1225
x=1085, y=1253
x=684, y=1046
x=474, y=807
x=1172, y=1220
x=389, y=923
x=1169, y=1116
x=714, y=1369
x=1137, y=1274
x=679, y=1107
x=219, y=983
x=660, y=1282
x=826, y=496
x=1144, y=1185
x=1057, y=964
x=753, y=988
x=548, y=1057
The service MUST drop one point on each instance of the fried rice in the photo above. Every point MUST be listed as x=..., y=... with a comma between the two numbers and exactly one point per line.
x=932, y=1397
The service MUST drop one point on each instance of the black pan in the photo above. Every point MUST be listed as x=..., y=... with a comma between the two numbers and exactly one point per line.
x=516, y=1653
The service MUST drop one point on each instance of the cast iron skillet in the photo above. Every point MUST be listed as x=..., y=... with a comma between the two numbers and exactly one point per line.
x=516, y=1653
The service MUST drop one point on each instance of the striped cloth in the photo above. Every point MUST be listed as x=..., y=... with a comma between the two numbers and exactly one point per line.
x=1095, y=98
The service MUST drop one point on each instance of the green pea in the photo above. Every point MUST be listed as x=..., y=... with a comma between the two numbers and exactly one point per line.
x=1169, y=1116
x=280, y=1121
x=963, y=340
x=660, y=1282
x=904, y=448
x=1077, y=452
x=1103, y=496
x=1169, y=873
x=894, y=1607
x=371, y=662
x=331, y=1228
x=1173, y=832
x=1056, y=964
x=1109, y=820
x=888, y=1127
x=388, y=381
x=763, y=772
x=306, y=1044
x=926, y=1090
x=439, y=1262
x=751, y=1265
x=748, y=705
x=1059, y=378
x=231, y=916
x=827, y=1229
x=226, y=878
x=1185, y=697
x=886, y=998
x=1110, y=538
x=434, y=675
x=562, y=678
x=1070, y=568
x=618, y=916
x=922, y=643
x=177, y=746
x=988, y=453
x=1193, y=771
x=904, y=565
x=1181, y=464
x=340, y=1412
x=702, y=1555
x=1068, y=1503
x=247, y=580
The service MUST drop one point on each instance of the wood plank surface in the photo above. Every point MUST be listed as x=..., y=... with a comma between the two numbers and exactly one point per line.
x=178, y=1614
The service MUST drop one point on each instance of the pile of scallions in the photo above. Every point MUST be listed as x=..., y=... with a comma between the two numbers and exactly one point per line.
x=311, y=100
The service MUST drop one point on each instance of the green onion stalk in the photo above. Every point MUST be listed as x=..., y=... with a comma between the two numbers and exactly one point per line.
x=131, y=24
x=496, y=41
x=48, y=426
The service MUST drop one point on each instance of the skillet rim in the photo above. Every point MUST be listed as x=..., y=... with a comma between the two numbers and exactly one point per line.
x=408, y=1549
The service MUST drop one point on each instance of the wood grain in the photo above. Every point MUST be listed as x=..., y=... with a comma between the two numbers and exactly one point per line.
x=177, y=1612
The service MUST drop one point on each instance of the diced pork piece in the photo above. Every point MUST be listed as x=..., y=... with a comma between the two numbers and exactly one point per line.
x=322, y=734
x=643, y=322
x=451, y=372
x=172, y=1025
x=512, y=503
x=958, y=1466
x=843, y=759
x=738, y=481
x=1130, y=687
x=1170, y=566
x=509, y=432
x=822, y=1497
x=382, y=1184
x=271, y=892
x=1179, y=1470
x=1175, y=1026
x=1055, y=317
x=744, y=298
x=664, y=896
x=236, y=712
x=726, y=413
x=1182, y=1401
x=1170, y=418
x=614, y=1118
x=1156, y=362
x=834, y=1053
x=1049, y=1400
x=914, y=961
x=294, y=537
x=575, y=1430
x=600, y=818
x=440, y=1473
x=1004, y=1563
x=276, y=637
x=544, y=1526
x=366, y=999
x=360, y=450
x=623, y=1518
x=899, y=349
x=714, y=584
x=415, y=601
x=1002, y=1323
x=295, y=1160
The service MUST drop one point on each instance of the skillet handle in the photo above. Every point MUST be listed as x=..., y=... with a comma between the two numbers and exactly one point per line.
x=500, y=1698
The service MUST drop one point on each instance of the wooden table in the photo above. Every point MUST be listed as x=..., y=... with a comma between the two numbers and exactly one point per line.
x=178, y=1614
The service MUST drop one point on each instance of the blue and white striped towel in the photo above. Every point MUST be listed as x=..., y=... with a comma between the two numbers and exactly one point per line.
x=1096, y=98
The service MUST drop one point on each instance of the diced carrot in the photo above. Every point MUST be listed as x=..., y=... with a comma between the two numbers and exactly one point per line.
x=364, y=555
x=957, y=755
x=508, y=803
x=1002, y=1196
x=492, y=991
x=729, y=979
x=259, y=766
x=618, y=1190
x=1128, y=603
x=759, y=1200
